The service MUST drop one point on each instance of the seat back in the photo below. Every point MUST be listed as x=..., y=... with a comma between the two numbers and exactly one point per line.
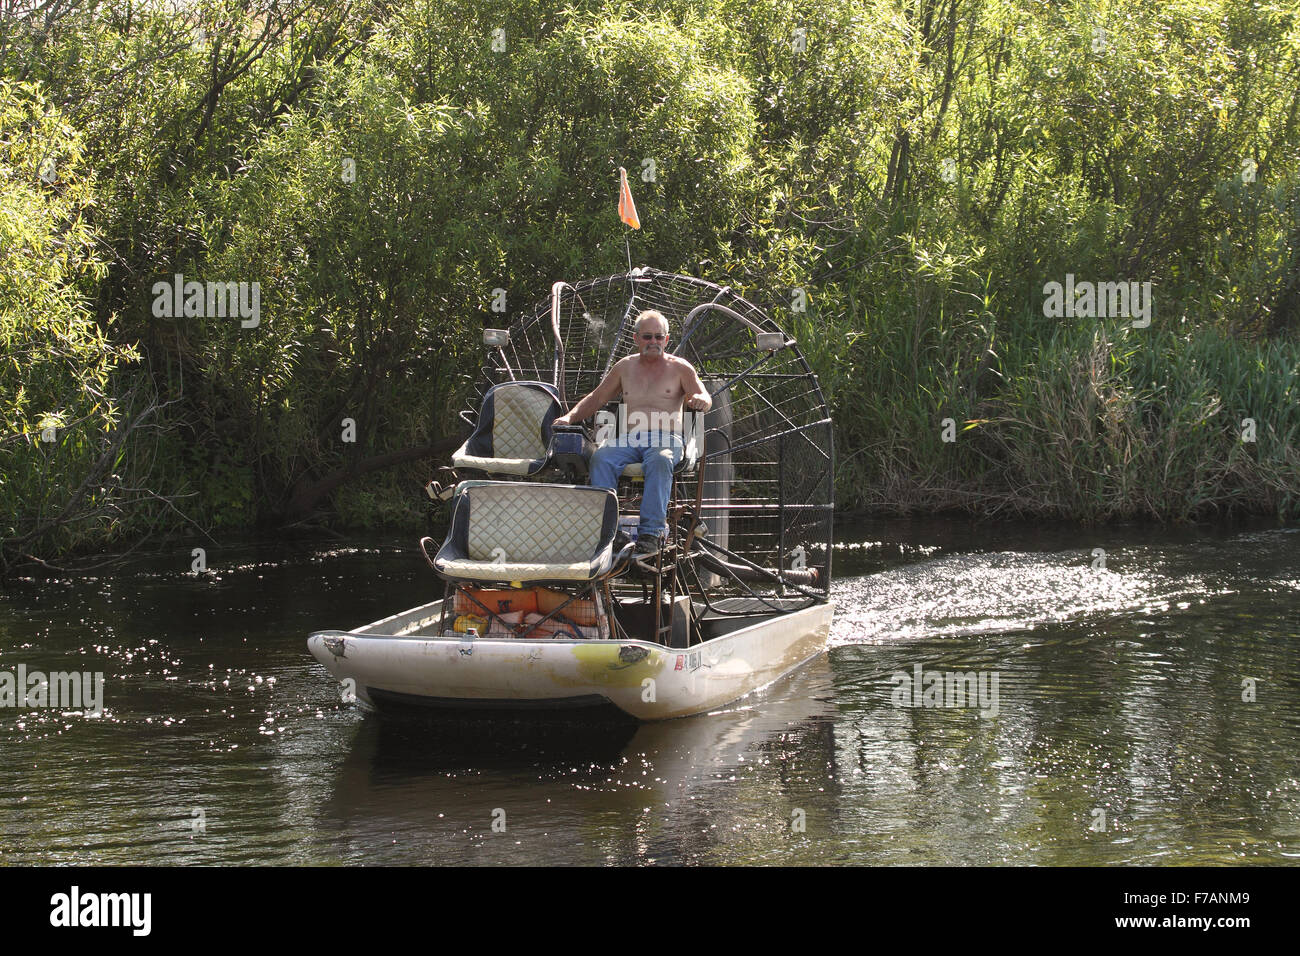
x=513, y=435
x=521, y=420
x=535, y=524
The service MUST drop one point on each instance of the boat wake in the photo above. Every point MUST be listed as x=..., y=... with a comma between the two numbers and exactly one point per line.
x=959, y=595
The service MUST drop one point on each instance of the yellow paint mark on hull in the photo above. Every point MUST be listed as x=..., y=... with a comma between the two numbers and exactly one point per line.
x=618, y=665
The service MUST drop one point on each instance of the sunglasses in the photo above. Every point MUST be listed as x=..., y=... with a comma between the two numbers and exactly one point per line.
x=648, y=336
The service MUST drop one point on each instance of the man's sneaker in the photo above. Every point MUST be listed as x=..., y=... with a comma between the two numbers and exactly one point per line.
x=649, y=544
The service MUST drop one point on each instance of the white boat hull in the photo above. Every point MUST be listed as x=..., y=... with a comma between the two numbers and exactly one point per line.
x=391, y=662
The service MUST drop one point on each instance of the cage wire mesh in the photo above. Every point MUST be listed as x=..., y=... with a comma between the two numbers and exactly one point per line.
x=769, y=456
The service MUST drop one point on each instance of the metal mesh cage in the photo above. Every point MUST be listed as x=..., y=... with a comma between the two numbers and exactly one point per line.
x=768, y=467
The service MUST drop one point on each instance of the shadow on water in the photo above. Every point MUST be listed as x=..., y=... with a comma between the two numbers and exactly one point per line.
x=406, y=746
x=569, y=789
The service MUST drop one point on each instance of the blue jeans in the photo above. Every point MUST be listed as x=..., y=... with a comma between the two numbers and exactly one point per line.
x=659, y=454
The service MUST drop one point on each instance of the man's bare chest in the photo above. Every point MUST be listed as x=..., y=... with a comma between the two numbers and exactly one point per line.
x=662, y=384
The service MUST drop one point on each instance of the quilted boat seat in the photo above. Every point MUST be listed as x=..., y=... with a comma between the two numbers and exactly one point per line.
x=513, y=435
x=503, y=531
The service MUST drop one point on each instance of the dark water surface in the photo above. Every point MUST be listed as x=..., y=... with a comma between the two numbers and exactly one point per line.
x=1120, y=735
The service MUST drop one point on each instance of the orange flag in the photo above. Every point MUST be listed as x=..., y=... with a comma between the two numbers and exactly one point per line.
x=626, y=207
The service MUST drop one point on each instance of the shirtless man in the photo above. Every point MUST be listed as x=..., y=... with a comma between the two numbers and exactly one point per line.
x=655, y=386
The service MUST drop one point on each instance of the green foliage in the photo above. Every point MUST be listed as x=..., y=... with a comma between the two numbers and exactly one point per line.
x=59, y=403
x=921, y=170
x=1136, y=422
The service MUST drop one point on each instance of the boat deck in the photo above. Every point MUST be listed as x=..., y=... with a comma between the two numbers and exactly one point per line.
x=731, y=614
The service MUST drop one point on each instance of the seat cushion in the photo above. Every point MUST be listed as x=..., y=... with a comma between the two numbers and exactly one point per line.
x=690, y=453
x=463, y=570
x=496, y=466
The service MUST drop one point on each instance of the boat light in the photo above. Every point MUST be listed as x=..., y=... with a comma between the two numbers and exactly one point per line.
x=496, y=338
x=770, y=341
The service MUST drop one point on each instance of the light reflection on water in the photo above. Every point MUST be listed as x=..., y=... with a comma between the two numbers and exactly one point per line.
x=1120, y=703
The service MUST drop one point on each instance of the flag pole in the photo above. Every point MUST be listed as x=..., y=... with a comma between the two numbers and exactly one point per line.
x=627, y=212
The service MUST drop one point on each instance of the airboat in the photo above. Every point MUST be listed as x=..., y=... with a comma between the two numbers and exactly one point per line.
x=545, y=603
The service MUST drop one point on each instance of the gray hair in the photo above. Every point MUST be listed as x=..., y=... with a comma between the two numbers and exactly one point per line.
x=650, y=314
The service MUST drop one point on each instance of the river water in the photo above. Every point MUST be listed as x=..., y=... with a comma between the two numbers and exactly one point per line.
x=1145, y=711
